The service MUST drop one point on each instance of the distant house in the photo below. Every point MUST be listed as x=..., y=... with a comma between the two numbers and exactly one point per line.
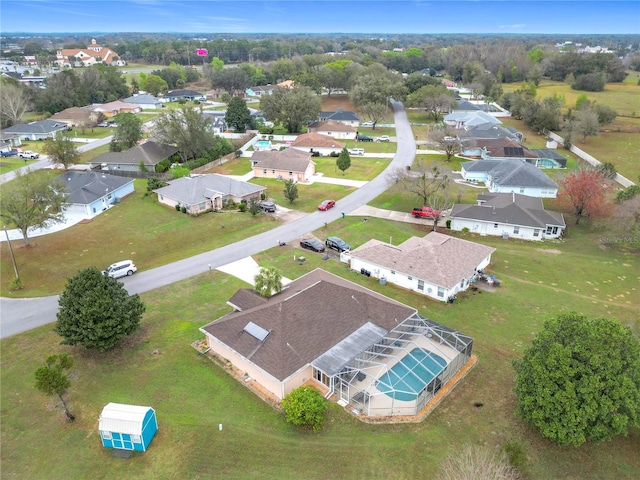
x=508, y=215
x=460, y=119
x=260, y=91
x=40, y=130
x=324, y=145
x=507, y=176
x=111, y=109
x=85, y=57
x=183, y=94
x=343, y=116
x=351, y=343
x=217, y=119
x=334, y=129
x=148, y=154
x=9, y=141
x=77, y=117
x=498, y=149
x=127, y=427
x=435, y=265
x=145, y=101
x=202, y=193
x=288, y=164
x=90, y=193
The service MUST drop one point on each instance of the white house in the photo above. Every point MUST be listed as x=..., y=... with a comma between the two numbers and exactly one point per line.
x=508, y=215
x=436, y=265
x=91, y=193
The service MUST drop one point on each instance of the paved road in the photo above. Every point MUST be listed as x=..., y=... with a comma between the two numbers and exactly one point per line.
x=21, y=315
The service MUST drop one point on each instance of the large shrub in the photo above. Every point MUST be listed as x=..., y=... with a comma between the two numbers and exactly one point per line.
x=305, y=407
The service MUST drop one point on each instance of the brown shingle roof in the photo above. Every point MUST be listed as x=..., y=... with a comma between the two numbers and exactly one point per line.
x=290, y=159
x=436, y=258
x=315, y=140
x=245, y=298
x=310, y=316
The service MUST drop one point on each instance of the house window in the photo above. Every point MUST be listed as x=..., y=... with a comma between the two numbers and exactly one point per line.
x=161, y=197
x=202, y=206
x=441, y=291
x=290, y=174
x=264, y=170
x=536, y=232
x=421, y=285
x=106, y=435
x=409, y=278
x=462, y=283
x=273, y=172
x=521, y=189
x=516, y=230
x=551, y=230
x=393, y=272
x=495, y=225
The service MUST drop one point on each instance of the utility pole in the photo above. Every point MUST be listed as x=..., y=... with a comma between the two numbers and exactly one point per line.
x=13, y=259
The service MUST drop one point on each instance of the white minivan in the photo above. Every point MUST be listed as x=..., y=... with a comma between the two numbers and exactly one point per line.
x=356, y=151
x=120, y=269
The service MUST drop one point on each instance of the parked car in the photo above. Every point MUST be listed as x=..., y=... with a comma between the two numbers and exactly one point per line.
x=338, y=244
x=355, y=151
x=8, y=153
x=312, y=244
x=103, y=124
x=267, y=206
x=28, y=154
x=366, y=124
x=120, y=269
x=326, y=205
x=383, y=138
x=364, y=138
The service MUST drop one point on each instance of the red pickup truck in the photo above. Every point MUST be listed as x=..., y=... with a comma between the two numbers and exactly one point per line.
x=425, y=212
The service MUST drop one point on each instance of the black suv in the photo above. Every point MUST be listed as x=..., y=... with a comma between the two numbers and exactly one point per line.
x=267, y=206
x=338, y=244
x=364, y=138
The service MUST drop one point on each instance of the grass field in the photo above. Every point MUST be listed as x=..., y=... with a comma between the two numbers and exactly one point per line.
x=158, y=367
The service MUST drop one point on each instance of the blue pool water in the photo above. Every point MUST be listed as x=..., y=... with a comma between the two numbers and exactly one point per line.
x=262, y=144
x=407, y=378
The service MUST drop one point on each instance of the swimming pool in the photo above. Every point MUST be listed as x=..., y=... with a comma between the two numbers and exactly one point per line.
x=262, y=145
x=407, y=378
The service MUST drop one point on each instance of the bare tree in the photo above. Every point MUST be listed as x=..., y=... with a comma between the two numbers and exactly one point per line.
x=446, y=139
x=14, y=103
x=425, y=180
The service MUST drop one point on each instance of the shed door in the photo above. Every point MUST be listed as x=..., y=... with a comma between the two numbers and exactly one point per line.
x=117, y=440
x=127, y=443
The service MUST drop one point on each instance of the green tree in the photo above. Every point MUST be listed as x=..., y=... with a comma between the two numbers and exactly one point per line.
x=292, y=107
x=51, y=379
x=579, y=381
x=61, y=149
x=129, y=130
x=187, y=129
x=238, y=115
x=268, y=281
x=290, y=190
x=32, y=200
x=254, y=206
x=96, y=311
x=435, y=99
x=343, y=162
x=372, y=88
x=153, y=183
x=305, y=407
x=586, y=124
x=154, y=84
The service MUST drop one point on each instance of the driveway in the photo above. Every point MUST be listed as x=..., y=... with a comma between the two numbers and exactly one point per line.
x=16, y=317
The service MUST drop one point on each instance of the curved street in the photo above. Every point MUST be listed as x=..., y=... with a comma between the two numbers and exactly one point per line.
x=19, y=315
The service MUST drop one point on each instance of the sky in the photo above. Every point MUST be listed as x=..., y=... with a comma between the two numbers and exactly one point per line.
x=322, y=16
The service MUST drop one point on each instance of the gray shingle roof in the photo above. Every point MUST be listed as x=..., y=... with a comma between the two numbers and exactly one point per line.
x=550, y=153
x=303, y=324
x=197, y=189
x=520, y=174
x=511, y=209
x=340, y=115
x=41, y=127
x=87, y=187
x=435, y=258
x=150, y=153
x=144, y=99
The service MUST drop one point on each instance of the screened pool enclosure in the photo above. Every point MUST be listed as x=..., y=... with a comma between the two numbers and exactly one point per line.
x=396, y=372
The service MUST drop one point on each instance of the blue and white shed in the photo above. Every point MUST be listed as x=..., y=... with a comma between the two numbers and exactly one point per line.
x=127, y=427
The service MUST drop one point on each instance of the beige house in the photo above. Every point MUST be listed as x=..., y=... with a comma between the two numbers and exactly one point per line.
x=288, y=164
x=111, y=109
x=77, y=117
x=350, y=342
x=323, y=145
x=334, y=129
x=85, y=57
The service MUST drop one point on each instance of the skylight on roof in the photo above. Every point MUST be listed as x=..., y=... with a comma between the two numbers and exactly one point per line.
x=256, y=331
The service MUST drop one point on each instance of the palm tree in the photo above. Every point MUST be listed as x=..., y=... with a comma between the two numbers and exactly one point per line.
x=268, y=281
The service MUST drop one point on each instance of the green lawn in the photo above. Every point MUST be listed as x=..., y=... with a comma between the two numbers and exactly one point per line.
x=192, y=396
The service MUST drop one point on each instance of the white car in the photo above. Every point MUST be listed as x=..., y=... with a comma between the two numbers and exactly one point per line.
x=120, y=269
x=28, y=154
x=383, y=138
x=355, y=151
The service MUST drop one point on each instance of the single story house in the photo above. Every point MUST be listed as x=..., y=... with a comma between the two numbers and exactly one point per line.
x=347, y=341
x=497, y=149
x=127, y=427
x=9, y=141
x=435, y=265
x=324, y=145
x=40, y=130
x=217, y=119
x=508, y=176
x=459, y=119
x=259, y=91
x=149, y=154
x=508, y=215
x=111, y=109
x=77, y=117
x=489, y=131
x=183, y=94
x=334, y=129
x=91, y=193
x=287, y=164
x=145, y=101
x=343, y=116
x=203, y=193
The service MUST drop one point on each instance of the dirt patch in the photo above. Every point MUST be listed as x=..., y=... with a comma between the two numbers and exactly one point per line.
x=551, y=250
x=336, y=102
